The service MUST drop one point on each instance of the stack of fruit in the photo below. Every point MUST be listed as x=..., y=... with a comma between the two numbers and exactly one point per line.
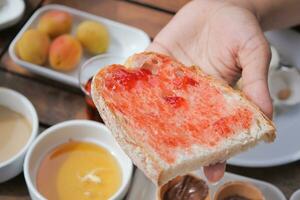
x=51, y=41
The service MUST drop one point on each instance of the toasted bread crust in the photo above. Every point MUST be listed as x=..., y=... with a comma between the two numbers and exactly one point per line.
x=158, y=171
x=133, y=148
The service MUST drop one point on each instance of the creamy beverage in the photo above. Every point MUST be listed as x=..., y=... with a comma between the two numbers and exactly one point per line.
x=15, y=131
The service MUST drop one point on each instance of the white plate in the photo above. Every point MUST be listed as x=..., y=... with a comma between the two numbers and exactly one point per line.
x=286, y=147
x=143, y=188
x=125, y=40
x=295, y=195
x=11, y=12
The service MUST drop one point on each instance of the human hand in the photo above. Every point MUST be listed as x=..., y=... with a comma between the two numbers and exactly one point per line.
x=224, y=38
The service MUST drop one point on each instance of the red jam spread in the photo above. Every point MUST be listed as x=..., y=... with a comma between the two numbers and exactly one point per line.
x=175, y=101
x=169, y=107
x=122, y=78
x=184, y=82
x=88, y=85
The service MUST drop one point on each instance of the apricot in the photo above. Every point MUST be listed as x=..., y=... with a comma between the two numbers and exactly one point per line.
x=33, y=46
x=93, y=36
x=65, y=53
x=55, y=23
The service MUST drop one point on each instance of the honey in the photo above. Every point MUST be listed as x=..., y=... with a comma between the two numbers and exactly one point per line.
x=79, y=170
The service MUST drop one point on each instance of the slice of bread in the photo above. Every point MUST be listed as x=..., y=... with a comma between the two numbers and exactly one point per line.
x=172, y=119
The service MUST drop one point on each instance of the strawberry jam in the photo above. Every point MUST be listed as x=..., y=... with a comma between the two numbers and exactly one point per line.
x=184, y=82
x=176, y=102
x=122, y=78
x=168, y=107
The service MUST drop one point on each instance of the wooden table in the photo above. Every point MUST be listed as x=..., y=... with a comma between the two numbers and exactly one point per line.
x=56, y=102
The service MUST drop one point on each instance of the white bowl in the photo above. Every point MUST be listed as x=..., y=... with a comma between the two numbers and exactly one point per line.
x=91, y=67
x=11, y=11
x=82, y=130
x=19, y=103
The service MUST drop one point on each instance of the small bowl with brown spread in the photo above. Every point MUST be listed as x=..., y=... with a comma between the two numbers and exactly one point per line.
x=238, y=190
x=186, y=187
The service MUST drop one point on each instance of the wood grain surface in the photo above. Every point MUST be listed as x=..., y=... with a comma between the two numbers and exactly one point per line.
x=53, y=104
x=7, y=64
x=168, y=5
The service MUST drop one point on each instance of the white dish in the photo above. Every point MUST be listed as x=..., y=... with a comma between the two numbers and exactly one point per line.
x=275, y=59
x=295, y=195
x=285, y=149
x=283, y=79
x=11, y=11
x=143, y=188
x=83, y=130
x=19, y=103
x=125, y=40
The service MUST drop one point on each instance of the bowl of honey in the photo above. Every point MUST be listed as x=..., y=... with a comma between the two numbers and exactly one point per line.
x=18, y=128
x=77, y=159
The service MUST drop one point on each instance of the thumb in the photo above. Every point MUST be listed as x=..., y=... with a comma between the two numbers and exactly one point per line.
x=254, y=59
x=214, y=172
